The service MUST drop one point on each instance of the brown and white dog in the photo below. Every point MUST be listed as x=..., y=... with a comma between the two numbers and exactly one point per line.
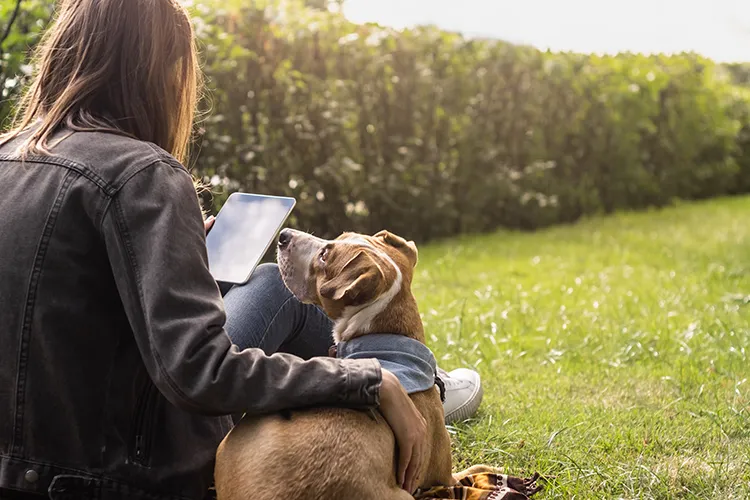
x=364, y=284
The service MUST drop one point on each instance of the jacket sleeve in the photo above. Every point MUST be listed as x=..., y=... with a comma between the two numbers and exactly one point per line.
x=155, y=239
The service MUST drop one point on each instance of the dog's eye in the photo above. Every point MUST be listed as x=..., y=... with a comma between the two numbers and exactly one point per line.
x=323, y=255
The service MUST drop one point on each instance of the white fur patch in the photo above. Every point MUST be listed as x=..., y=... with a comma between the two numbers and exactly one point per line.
x=357, y=319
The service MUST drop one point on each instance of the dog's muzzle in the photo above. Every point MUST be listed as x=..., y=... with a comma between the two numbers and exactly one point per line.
x=295, y=254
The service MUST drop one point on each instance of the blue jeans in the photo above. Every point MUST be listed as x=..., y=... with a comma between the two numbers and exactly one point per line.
x=263, y=313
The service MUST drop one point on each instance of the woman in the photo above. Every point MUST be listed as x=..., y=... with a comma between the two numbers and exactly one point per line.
x=116, y=371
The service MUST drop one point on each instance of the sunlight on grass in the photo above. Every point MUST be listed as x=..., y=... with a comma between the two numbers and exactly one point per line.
x=613, y=352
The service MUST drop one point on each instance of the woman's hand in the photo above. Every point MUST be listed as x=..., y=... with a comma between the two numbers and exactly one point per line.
x=209, y=222
x=408, y=426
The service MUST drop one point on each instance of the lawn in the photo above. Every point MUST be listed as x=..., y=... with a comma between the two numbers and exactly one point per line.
x=614, y=352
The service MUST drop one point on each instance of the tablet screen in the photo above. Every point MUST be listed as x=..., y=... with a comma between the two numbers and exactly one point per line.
x=245, y=228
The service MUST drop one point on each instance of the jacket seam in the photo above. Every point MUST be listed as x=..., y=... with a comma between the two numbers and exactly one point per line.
x=165, y=156
x=86, y=171
x=136, y=171
x=83, y=170
x=41, y=254
x=116, y=190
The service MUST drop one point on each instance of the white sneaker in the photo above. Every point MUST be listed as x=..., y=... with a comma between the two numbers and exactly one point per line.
x=463, y=394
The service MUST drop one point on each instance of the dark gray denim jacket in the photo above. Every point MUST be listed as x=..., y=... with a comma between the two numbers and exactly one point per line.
x=115, y=369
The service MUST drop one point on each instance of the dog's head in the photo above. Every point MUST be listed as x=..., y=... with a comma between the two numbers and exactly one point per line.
x=355, y=279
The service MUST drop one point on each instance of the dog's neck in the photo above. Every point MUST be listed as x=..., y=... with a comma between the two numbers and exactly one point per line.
x=395, y=312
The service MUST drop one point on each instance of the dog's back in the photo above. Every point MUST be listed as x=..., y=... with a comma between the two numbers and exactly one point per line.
x=326, y=453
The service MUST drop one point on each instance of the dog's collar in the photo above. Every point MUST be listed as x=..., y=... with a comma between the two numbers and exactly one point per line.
x=410, y=360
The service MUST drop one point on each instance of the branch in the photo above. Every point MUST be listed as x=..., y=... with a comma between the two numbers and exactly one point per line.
x=10, y=24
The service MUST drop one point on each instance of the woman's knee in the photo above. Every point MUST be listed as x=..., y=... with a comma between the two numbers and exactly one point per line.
x=267, y=271
x=253, y=307
x=268, y=278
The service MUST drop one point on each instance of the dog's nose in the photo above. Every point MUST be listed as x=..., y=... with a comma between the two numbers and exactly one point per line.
x=284, y=238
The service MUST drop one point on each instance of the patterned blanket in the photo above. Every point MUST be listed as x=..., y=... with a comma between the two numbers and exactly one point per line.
x=484, y=486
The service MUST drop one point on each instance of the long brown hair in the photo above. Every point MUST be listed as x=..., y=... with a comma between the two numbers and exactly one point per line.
x=123, y=66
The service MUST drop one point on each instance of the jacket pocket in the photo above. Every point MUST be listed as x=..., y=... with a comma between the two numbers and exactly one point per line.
x=143, y=425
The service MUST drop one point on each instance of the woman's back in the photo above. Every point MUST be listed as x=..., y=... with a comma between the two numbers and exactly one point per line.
x=66, y=254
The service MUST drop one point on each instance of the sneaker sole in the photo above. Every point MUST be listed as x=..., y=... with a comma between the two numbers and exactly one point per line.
x=468, y=409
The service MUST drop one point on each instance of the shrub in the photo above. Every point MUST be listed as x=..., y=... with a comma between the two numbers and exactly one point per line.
x=430, y=134
x=21, y=23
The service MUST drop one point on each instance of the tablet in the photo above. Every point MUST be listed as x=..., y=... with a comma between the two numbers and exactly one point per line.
x=244, y=229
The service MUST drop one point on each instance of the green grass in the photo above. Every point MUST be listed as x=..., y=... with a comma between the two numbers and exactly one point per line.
x=614, y=353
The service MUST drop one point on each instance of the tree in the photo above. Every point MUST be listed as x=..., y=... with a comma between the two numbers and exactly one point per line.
x=26, y=20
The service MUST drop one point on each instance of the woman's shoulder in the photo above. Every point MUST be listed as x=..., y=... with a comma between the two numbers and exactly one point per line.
x=111, y=156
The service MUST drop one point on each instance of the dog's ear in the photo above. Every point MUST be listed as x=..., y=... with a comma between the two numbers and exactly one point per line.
x=359, y=281
x=408, y=248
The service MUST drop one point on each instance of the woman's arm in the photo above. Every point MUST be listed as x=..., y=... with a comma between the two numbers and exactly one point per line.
x=155, y=238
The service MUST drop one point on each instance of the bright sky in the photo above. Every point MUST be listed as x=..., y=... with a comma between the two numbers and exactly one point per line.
x=719, y=29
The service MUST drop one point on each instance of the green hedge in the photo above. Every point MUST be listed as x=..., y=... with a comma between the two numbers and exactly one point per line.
x=429, y=134
x=16, y=38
